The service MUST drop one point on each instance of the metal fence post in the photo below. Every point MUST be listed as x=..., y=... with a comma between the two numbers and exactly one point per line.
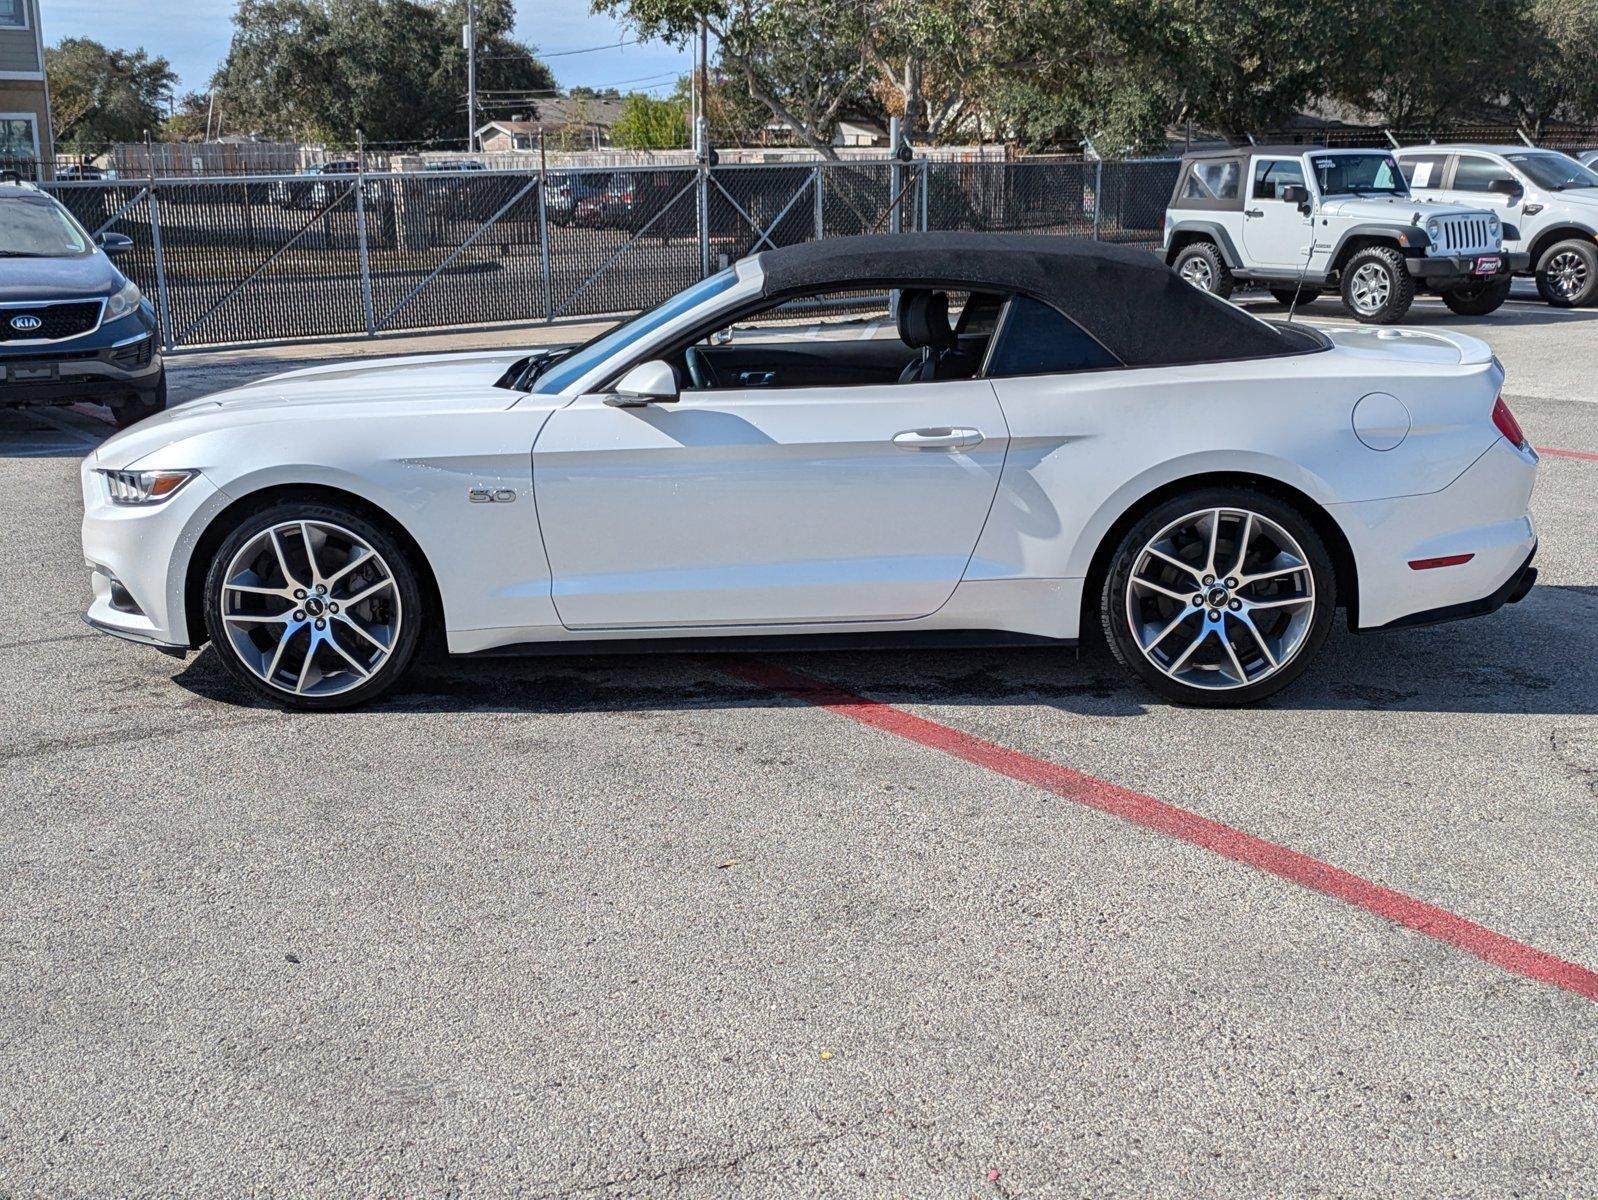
x=926, y=180
x=160, y=266
x=816, y=176
x=360, y=234
x=895, y=179
x=1098, y=194
x=704, y=220
x=543, y=245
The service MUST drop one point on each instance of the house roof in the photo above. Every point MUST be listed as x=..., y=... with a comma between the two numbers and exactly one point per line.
x=557, y=112
x=1127, y=299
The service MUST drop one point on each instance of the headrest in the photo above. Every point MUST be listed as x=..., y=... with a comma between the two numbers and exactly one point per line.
x=924, y=319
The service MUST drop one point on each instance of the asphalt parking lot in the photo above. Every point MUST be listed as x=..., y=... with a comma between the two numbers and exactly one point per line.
x=978, y=923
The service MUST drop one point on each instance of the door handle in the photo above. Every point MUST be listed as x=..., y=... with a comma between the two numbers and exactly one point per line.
x=938, y=439
x=1255, y=212
x=756, y=378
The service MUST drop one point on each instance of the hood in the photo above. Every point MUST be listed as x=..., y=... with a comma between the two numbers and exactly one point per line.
x=389, y=388
x=34, y=279
x=1400, y=210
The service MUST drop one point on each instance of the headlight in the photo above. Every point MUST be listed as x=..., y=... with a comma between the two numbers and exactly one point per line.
x=1434, y=228
x=1493, y=225
x=145, y=487
x=124, y=302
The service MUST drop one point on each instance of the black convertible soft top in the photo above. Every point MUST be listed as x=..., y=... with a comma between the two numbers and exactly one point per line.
x=1130, y=301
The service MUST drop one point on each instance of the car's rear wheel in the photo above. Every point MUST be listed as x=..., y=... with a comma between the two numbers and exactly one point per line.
x=1218, y=597
x=1567, y=273
x=1288, y=297
x=1201, y=264
x=1377, y=286
x=314, y=606
x=1478, y=299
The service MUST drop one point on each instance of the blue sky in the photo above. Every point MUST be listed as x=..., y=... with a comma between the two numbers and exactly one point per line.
x=193, y=34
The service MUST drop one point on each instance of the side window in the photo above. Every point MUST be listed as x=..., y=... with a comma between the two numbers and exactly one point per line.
x=1271, y=175
x=1424, y=170
x=1035, y=339
x=1476, y=174
x=1213, y=181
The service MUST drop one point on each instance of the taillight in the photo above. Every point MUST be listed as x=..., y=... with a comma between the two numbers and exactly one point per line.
x=1508, y=426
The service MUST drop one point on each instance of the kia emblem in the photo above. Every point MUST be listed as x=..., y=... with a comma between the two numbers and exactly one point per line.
x=26, y=323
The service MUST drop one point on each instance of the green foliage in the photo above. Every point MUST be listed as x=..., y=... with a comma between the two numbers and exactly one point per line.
x=1557, y=57
x=649, y=124
x=99, y=95
x=394, y=68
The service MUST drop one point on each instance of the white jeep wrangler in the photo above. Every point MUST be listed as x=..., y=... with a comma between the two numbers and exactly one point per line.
x=1302, y=220
x=1548, y=203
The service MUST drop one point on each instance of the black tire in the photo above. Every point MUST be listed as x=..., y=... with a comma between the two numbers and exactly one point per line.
x=141, y=405
x=1201, y=264
x=1400, y=287
x=414, y=612
x=1287, y=297
x=1567, y=273
x=1115, y=609
x=1478, y=299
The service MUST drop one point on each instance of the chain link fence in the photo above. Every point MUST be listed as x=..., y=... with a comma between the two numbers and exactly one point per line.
x=269, y=258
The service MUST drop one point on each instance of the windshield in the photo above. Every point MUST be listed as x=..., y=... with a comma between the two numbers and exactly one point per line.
x=1370, y=174
x=39, y=229
x=1554, y=171
x=573, y=366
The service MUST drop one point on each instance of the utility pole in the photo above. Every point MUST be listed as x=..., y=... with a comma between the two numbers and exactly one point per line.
x=701, y=129
x=470, y=34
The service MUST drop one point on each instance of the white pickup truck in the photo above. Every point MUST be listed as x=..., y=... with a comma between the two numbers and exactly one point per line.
x=1303, y=220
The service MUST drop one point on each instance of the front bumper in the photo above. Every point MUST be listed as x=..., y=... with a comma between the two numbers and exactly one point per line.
x=117, y=361
x=138, y=559
x=1433, y=268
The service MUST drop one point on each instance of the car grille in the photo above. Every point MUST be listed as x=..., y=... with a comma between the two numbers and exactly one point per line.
x=1466, y=235
x=56, y=321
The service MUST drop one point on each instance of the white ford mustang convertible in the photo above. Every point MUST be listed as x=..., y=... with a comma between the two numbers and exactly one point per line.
x=950, y=437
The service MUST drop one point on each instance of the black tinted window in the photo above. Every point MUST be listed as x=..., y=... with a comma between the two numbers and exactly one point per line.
x=1035, y=339
x=1475, y=174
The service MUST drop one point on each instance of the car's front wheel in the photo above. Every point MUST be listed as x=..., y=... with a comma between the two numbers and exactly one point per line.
x=313, y=605
x=1567, y=273
x=1478, y=299
x=141, y=404
x=1377, y=286
x=1218, y=597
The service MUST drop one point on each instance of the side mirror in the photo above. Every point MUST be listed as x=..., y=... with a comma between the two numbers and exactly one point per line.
x=1295, y=193
x=1504, y=187
x=652, y=382
x=114, y=243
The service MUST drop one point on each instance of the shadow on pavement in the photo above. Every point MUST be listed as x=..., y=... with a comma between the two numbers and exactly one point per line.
x=1534, y=657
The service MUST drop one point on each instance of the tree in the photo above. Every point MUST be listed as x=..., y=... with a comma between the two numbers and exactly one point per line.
x=804, y=61
x=394, y=68
x=1424, y=63
x=1555, y=78
x=190, y=118
x=99, y=95
x=649, y=124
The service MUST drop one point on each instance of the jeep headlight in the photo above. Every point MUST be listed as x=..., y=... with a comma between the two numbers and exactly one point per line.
x=125, y=300
x=1434, y=229
x=1494, y=227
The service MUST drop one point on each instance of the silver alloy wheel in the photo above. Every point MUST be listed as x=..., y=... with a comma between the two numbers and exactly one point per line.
x=1221, y=598
x=311, y=608
x=1566, y=274
x=1196, y=271
x=1369, y=288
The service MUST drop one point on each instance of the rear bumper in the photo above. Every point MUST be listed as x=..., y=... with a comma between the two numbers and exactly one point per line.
x=1483, y=514
x=1512, y=591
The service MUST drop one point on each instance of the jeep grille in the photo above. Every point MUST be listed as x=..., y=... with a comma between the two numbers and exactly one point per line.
x=1465, y=235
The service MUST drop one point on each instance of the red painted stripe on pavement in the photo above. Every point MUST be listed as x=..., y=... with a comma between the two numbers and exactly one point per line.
x=1588, y=455
x=1163, y=817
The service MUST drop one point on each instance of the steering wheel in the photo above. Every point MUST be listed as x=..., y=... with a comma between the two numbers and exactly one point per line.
x=699, y=369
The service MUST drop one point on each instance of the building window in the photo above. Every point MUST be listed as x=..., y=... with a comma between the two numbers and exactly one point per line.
x=13, y=14
x=19, y=137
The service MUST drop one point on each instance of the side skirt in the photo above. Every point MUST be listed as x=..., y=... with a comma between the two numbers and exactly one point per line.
x=940, y=639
